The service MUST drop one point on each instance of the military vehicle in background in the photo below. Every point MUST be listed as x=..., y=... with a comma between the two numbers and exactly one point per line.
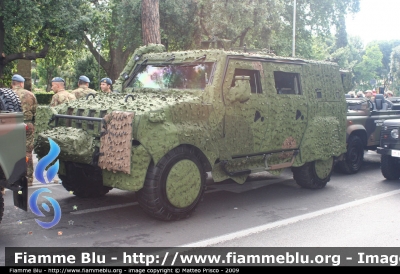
x=389, y=147
x=179, y=115
x=364, y=124
x=12, y=150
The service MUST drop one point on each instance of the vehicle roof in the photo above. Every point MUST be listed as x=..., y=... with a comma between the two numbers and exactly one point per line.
x=212, y=54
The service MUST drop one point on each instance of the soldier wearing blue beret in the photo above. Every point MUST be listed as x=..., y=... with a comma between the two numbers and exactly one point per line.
x=29, y=105
x=60, y=96
x=83, y=87
x=18, y=78
x=105, y=85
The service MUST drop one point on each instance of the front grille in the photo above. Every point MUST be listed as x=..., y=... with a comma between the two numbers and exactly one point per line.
x=78, y=121
x=386, y=140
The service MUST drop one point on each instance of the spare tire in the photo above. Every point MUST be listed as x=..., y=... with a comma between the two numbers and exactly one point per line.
x=9, y=101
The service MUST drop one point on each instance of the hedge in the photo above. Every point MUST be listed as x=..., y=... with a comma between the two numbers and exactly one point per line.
x=43, y=97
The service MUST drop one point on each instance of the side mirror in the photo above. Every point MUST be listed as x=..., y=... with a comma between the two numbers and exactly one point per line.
x=241, y=91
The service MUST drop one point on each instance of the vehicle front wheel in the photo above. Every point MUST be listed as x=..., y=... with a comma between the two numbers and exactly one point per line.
x=390, y=167
x=174, y=186
x=84, y=181
x=313, y=175
x=354, y=156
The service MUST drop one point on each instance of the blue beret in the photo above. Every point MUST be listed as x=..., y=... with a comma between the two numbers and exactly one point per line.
x=84, y=79
x=18, y=78
x=106, y=80
x=57, y=79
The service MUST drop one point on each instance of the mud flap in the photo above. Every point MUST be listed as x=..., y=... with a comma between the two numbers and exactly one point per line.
x=21, y=196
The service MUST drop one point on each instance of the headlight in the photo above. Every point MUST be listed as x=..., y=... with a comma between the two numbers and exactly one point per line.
x=395, y=133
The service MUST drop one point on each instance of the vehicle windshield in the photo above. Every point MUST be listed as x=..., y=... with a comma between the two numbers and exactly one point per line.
x=175, y=76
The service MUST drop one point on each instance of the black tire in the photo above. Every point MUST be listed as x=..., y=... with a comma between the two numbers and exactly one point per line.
x=85, y=190
x=173, y=198
x=1, y=205
x=354, y=156
x=9, y=101
x=313, y=175
x=84, y=181
x=390, y=167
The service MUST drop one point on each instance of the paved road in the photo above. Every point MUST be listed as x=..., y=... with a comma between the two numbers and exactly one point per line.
x=352, y=210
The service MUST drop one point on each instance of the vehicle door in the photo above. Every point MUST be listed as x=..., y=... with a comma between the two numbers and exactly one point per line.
x=287, y=116
x=246, y=109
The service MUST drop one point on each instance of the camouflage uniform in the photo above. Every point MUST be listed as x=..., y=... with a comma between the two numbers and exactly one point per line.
x=29, y=104
x=62, y=96
x=82, y=91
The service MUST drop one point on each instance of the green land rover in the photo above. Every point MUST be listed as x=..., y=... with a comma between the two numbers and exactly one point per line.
x=174, y=116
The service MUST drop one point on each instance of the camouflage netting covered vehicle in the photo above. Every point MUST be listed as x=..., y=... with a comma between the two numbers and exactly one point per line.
x=12, y=150
x=179, y=115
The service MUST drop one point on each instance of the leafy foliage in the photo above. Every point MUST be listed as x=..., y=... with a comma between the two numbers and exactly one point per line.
x=367, y=70
x=28, y=28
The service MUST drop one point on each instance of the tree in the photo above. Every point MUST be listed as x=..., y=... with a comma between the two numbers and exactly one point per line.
x=179, y=25
x=313, y=18
x=116, y=30
x=151, y=22
x=28, y=29
x=395, y=68
x=386, y=48
x=368, y=68
x=347, y=57
x=113, y=34
x=249, y=21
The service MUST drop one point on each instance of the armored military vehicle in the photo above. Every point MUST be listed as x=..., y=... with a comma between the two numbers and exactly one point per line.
x=364, y=124
x=390, y=149
x=12, y=150
x=179, y=115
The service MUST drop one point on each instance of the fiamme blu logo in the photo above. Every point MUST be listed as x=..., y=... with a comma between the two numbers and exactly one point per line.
x=41, y=175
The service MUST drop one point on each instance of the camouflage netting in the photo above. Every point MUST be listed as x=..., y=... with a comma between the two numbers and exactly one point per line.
x=116, y=142
x=76, y=144
x=140, y=161
x=312, y=121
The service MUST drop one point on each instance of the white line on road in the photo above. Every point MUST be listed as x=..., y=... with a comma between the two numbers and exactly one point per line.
x=261, y=228
x=114, y=206
x=102, y=208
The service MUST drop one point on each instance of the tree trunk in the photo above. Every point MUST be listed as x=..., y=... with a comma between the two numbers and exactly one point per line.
x=151, y=22
x=24, y=68
x=49, y=77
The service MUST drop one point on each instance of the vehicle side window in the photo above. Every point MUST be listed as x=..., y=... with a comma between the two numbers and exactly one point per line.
x=287, y=83
x=255, y=82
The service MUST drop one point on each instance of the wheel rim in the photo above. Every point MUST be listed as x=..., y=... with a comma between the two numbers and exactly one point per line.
x=183, y=184
x=355, y=155
x=323, y=167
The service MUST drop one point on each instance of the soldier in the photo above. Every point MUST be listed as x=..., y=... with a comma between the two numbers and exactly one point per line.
x=29, y=104
x=60, y=94
x=352, y=93
x=105, y=85
x=368, y=94
x=388, y=94
x=360, y=94
x=83, y=90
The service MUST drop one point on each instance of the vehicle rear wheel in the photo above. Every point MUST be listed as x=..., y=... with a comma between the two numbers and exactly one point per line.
x=1, y=205
x=313, y=175
x=390, y=167
x=174, y=187
x=9, y=101
x=84, y=181
x=354, y=156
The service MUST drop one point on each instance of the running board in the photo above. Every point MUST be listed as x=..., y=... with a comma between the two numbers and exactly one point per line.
x=265, y=158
